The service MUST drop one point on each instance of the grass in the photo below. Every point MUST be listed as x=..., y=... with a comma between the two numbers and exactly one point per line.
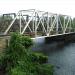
x=2, y=44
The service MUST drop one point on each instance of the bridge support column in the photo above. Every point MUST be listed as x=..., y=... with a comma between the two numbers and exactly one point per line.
x=57, y=25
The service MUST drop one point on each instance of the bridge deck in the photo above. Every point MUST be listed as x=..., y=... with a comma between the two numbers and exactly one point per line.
x=71, y=33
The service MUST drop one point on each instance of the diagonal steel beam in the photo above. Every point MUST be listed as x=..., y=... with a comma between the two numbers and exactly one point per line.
x=6, y=31
x=28, y=23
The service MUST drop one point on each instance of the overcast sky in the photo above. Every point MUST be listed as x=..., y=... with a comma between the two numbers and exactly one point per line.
x=66, y=7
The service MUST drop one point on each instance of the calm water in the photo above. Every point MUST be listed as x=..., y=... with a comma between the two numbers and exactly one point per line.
x=61, y=55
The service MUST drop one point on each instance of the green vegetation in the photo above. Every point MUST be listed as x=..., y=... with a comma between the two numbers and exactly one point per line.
x=18, y=59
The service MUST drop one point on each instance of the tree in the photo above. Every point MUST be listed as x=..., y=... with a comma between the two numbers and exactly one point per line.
x=4, y=22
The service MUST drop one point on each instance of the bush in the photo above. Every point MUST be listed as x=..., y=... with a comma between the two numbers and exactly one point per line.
x=45, y=69
x=19, y=60
x=39, y=57
x=26, y=41
x=17, y=71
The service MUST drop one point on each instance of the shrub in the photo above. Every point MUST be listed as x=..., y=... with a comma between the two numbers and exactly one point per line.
x=17, y=71
x=45, y=69
x=19, y=60
x=39, y=57
x=26, y=41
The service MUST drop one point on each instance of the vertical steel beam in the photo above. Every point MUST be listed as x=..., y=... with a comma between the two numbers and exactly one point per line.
x=20, y=21
x=64, y=26
x=35, y=24
x=57, y=24
x=33, y=28
x=47, y=24
x=70, y=26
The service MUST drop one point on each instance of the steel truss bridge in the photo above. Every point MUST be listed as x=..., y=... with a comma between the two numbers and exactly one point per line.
x=39, y=23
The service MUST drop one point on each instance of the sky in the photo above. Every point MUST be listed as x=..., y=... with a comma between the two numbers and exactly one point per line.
x=65, y=7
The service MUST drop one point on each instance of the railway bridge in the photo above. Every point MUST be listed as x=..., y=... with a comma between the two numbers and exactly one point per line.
x=37, y=23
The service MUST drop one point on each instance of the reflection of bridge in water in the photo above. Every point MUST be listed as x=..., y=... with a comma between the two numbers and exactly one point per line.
x=39, y=23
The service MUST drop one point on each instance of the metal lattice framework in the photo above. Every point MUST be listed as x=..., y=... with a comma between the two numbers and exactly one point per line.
x=42, y=23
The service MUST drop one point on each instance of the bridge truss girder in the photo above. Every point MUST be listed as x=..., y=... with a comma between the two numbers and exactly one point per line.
x=49, y=23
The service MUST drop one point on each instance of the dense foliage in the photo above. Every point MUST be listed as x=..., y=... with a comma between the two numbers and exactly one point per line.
x=18, y=59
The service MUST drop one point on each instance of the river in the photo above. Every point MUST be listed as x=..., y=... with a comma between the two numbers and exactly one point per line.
x=61, y=55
